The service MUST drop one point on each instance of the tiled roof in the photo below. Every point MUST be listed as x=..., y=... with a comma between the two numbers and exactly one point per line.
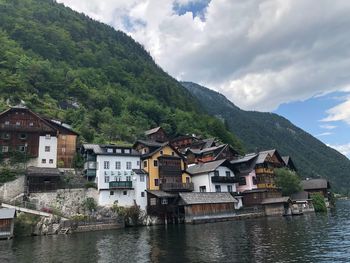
x=246, y=158
x=204, y=167
x=206, y=198
x=275, y=200
x=151, y=131
x=302, y=195
x=161, y=194
x=7, y=213
x=315, y=184
x=41, y=171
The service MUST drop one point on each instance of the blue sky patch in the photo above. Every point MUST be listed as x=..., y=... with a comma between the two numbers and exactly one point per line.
x=196, y=7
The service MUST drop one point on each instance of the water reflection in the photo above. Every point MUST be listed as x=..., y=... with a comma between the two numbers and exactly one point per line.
x=308, y=238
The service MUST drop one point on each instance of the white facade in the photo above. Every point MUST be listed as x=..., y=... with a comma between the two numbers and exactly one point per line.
x=47, y=156
x=119, y=169
x=204, y=180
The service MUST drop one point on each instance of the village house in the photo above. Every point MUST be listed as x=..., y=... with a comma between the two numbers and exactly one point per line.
x=301, y=203
x=42, y=142
x=223, y=151
x=215, y=176
x=117, y=173
x=39, y=179
x=245, y=169
x=320, y=186
x=156, y=134
x=7, y=222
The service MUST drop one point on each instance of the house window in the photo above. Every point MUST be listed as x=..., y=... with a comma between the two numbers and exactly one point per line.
x=142, y=194
x=172, y=153
x=118, y=150
x=23, y=136
x=187, y=180
x=47, y=136
x=254, y=180
x=47, y=148
x=106, y=179
x=242, y=181
x=138, y=163
x=106, y=164
x=161, y=152
x=125, y=192
x=229, y=188
x=63, y=150
x=127, y=151
x=228, y=174
x=128, y=178
x=110, y=150
x=18, y=123
x=216, y=173
x=51, y=161
x=7, y=123
x=117, y=165
x=156, y=182
x=111, y=193
x=153, y=201
x=144, y=164
x=6, y=136
x=5, y=149
x=31, y=124
x=218, y=188
x=164, y=201
x=43, y=160
x=155, y=163
x=21, y=148
x=142, y=178
x=202, y=189
x=128, y=165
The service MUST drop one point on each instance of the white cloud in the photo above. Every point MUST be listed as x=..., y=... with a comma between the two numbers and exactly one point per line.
x=340, y=112
x=328, y=127
x=324, y=134
x=259, y=53
x=344, y=149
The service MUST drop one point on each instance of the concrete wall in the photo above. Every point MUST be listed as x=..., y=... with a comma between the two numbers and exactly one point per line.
x=12, y=189
x=68, y=201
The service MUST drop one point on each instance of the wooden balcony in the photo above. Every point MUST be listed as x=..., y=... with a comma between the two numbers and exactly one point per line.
x=120, y=185
x=177, y=187
x=264, y=171
x=224, y=179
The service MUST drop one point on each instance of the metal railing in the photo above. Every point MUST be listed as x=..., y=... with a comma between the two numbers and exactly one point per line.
x=120, y=184
x=177, y=187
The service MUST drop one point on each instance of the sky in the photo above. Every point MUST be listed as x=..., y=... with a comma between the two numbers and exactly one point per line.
x=291, y=57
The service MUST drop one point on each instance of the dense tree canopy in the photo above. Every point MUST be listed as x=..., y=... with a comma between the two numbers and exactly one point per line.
x=67, y=66
x=288, y=181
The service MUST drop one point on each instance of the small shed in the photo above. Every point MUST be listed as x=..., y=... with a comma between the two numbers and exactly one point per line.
x=301, y=203
x=7, y=221
x=43, y=179
x=207, y=206
x=277, y=206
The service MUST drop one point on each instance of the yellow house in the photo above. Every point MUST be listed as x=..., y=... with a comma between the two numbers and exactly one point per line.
x=165, y=167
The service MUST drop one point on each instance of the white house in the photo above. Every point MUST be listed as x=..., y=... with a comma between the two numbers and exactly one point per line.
x=118, y=175
x=47, y=156
x=215, y=176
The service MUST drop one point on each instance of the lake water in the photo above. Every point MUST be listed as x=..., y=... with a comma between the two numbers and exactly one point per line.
x=307, y=238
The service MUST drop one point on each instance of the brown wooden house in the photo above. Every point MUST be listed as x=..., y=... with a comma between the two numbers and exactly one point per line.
x=223, y=151
x=157, y=134
x=253, y=198
x=43, y=179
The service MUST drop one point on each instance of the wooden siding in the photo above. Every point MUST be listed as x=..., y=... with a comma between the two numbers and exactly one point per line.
x=66, y=150
x=255, y=198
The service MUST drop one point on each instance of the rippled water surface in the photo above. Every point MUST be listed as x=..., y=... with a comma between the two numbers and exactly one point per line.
x=307, y=238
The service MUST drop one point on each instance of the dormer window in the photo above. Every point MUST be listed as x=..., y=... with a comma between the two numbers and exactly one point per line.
x=110, y=150
x=127, y=151
x=161, y=152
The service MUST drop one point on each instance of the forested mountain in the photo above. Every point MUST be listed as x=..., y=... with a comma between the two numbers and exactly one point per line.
x=258, y=131
x=65, y=65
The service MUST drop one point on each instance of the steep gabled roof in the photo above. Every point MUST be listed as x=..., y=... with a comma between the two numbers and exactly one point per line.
x=206, y=167
x=7, y=213
x=62, y=127
x=151, y=131
x=206, y=198
x=246, y=158
x=160, y=148
x=264, y=154
x=148, y=143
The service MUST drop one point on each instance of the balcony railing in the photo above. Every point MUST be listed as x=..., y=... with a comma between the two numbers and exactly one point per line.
x=120, y=184
x=264, y=171
x=224, y=179
x=176, y=187
x=90, y=165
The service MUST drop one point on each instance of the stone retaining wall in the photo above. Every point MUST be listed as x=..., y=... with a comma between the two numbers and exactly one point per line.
x=12, y=189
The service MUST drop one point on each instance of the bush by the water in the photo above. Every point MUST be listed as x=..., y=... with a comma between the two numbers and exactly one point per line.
x=318, y=202
x=90, y=204
x=133, y=215
x=25, y=223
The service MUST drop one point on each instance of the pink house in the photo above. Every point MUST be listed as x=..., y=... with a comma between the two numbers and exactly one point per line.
x=245, y=167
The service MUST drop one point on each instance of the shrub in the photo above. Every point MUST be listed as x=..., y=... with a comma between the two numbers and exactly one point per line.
x=318, y=202
x=90, y=185
x=7, y=175
x=90, y=204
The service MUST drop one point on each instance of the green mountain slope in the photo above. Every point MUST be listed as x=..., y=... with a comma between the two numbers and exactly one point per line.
x=65, y=65
x=258, y=130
